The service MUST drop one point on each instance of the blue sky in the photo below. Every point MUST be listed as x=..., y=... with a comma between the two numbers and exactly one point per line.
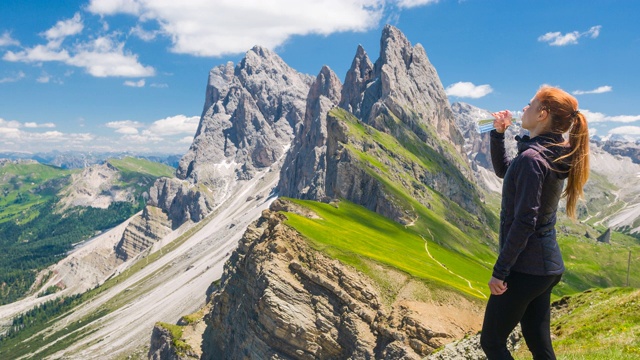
x=112, y=75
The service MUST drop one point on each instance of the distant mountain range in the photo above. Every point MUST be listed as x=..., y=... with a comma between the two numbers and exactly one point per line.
x=79, y=159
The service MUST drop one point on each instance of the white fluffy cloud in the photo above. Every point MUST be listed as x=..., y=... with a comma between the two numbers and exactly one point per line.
x=599, y=90
x=468, y=90
x=167, y=132
x=213, y=28
x=62, y=29
x=12, y=135
x=175, y=125
x=101, y=56
x=34, y=125
x=626, y=130
x=407, y=4
x=595, y=117
x=104, y=57
x=559, y=39
x=7, y=40
x=139, y=83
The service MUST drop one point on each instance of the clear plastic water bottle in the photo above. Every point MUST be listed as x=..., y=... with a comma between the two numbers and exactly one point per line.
x=486, y=125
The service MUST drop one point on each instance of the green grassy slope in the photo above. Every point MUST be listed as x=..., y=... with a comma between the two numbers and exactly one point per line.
x=396, y=162
x=24, y=186
x=354, y=235
x=600, y=324
x=33, y=235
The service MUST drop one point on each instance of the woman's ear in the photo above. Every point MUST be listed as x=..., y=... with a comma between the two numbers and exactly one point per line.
x=543, y=114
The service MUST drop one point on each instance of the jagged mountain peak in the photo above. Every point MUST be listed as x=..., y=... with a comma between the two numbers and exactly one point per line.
x=358, y=76
x=394, y=46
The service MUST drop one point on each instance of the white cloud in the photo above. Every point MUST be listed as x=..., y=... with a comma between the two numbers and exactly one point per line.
x=596, y=117
x=143, y=34
x=175, y=125
x=43, y=79
x=36, y=125
x=626, y=130
x=101, y=57
x=111, y=7
x=104, y=57
x=124, y=123
x=9, y=124
x=468, y=90
x=407, y=4
x=571, y=38
x=12, y=135
x=139, y=83
x=13, y=78
x=62, y=29
x=186, y=140
x=7, y=40
x=599, y=90
x=38, y=53
x=208, y=28
x=159, y=85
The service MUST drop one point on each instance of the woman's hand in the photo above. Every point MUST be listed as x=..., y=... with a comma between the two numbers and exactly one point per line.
x=502, y=121
x=497, y=286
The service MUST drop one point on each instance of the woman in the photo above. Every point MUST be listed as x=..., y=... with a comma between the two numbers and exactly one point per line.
x=529, y=264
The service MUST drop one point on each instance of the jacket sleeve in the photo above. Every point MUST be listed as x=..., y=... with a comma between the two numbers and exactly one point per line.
x=499, y=158
x=530, y=175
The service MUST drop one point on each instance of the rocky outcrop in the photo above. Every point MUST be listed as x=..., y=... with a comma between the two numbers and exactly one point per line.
x=95, y=186
x=347, y=178
x=142, y=232
x=605, y=237
x=162, y=347
x=248, y=122
x=280, y=299
x=181, y=200
x=303, y=175
x=404, y=85
x=401, y=95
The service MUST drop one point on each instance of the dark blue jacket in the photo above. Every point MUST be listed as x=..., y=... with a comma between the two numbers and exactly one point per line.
x=531, y=190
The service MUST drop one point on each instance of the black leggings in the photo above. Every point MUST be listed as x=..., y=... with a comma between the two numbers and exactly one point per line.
x=528, y=301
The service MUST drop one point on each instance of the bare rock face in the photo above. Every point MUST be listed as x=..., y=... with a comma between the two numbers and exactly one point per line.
x=303, y=175
x=162, y=347
x=403, y=85
x=248, y=122
x=181, y=200
x=94, y=187
x=280, y=299
x=401, y=95
x=142, y=232
x=249, y=116
x=358, y=78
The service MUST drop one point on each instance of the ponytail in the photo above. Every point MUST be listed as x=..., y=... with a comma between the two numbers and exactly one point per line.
x=563, y=109
x=579, y=172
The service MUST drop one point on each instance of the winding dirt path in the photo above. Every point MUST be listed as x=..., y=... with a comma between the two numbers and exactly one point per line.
x=426, y=247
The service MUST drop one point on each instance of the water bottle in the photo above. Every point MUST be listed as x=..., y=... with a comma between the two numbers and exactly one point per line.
x=486, y=125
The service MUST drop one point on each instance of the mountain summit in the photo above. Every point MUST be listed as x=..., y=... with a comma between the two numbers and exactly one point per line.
x=399, y=97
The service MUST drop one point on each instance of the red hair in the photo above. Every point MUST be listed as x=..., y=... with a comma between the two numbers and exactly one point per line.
x=563, y=110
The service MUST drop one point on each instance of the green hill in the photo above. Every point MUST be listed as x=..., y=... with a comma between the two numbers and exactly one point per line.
x=598, y=324
x=34, y=235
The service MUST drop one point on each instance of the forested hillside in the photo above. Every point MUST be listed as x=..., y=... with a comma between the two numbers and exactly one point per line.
x=34, y=235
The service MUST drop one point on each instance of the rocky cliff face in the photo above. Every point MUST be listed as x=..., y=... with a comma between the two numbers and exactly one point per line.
x=95, y=187
x=400, y=95
x=404, y=85
x=143, y=231
x=248, y=122
x=305, y=168
x=280, y=299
